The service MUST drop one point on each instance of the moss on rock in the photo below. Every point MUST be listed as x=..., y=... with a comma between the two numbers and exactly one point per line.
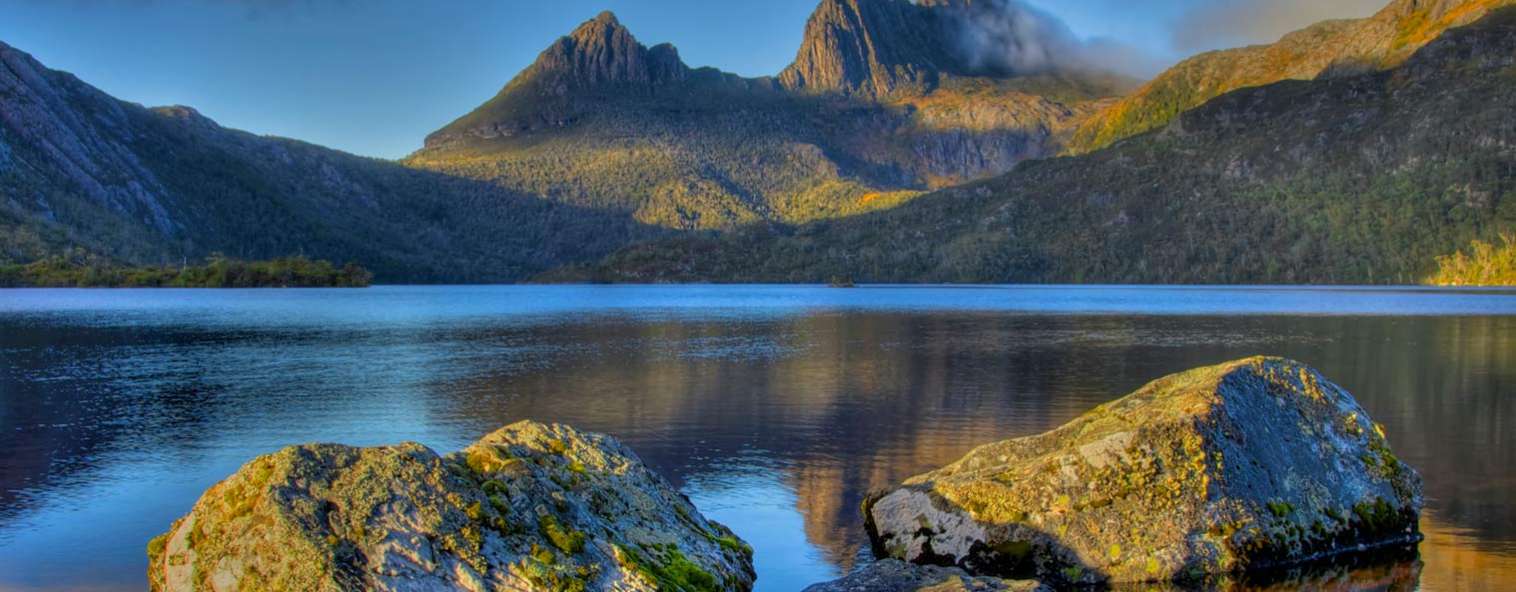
x=1247, y=465
x=530, y=507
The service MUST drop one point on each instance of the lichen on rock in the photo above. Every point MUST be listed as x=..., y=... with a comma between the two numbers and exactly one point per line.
x=1248, y=465
x=530, y=507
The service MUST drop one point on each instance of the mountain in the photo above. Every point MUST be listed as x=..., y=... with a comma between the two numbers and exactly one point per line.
x=602, y=121
x=896, y=48
x=1361, y=178
x=1331, y=48
x=81, y=170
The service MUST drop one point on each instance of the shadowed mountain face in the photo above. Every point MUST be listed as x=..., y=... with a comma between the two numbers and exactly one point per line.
x=881, y=104
x=80, y=169
x=1331, y=48
x=894, y=48
x=1365, y=178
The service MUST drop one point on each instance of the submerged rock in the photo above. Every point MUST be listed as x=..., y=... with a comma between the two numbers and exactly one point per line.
x=1248, y=465
x=891, y=575
x=530, y=507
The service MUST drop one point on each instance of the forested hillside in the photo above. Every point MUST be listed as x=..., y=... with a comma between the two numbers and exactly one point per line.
x=82, y=170
x=1364, y=178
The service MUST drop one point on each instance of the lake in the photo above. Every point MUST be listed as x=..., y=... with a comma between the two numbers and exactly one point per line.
x=775, y=408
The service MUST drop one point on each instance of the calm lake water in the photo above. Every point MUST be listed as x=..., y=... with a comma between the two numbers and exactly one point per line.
x=775, y=408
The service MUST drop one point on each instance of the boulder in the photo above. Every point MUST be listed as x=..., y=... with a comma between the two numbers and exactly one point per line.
x=530, y=507
x=892, y=575
x=1249, y=465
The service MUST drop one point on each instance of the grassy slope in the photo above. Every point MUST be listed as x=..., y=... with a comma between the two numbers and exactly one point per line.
x=1378, y=42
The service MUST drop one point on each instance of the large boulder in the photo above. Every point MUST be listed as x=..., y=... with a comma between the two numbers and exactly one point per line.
x=1249, y=465
x=892, y=575
x=530, y=507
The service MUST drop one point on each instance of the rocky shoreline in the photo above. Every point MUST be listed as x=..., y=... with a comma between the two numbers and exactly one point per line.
x=1205, y=476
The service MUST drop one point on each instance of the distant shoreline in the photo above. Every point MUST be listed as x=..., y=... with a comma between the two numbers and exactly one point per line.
x=216, y=273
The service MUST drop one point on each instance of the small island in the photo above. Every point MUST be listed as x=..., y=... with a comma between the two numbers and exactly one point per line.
x=217, y=272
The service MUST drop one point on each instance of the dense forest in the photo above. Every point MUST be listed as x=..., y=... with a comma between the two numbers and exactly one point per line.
x=79, y=270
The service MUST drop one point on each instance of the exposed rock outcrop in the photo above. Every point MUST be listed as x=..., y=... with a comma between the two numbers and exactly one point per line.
x=1247, y=465
x=530, y=507
x=603, y=52
x=893, y=575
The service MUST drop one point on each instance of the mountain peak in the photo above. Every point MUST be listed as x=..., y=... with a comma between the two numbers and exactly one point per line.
x=882, y=48
x=603, y=52
x=869, y=47
x=599, y=57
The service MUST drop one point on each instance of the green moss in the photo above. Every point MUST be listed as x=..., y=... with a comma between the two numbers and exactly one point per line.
x=676, y=573
x=1281, y=509
x=543, y=570
x=566, y=540
x=1377, y=516
x=734, y=544
x=157, y=545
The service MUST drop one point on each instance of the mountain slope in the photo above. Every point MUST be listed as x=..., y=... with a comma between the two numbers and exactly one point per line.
x=82, y=170
x=1329, y=48
x=601, y=121
x=1365, y=178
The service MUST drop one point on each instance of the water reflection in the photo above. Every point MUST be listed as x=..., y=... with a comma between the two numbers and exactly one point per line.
x=776, y=423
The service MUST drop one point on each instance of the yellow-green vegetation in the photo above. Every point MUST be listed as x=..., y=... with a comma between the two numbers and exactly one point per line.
x=669, y=569
x=566, y=540
x=1382, y=41
x=1482, y=264
x=80, y=271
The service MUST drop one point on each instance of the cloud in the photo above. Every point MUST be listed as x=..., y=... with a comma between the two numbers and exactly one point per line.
x=1010, y=37
x=1231, y=23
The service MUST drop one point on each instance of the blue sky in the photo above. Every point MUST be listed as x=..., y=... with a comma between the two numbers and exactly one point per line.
x=373, y=77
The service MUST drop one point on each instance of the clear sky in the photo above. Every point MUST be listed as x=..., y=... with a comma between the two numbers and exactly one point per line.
x=373, y=77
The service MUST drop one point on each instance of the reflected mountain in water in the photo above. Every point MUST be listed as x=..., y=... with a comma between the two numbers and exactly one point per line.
x=777, y=422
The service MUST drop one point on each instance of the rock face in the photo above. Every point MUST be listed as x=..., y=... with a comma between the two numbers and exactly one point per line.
x=530, y=507
x=602, y=52
x=869, y=47
x=1247, y=465
x=77, y=130
x=893, y=575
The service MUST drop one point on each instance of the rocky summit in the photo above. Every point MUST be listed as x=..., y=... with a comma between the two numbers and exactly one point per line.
x=530, y=507
x=1244, y=466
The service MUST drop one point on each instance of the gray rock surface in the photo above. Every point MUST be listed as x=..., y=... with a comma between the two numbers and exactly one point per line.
x=530, y=507
x=1248, y=465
